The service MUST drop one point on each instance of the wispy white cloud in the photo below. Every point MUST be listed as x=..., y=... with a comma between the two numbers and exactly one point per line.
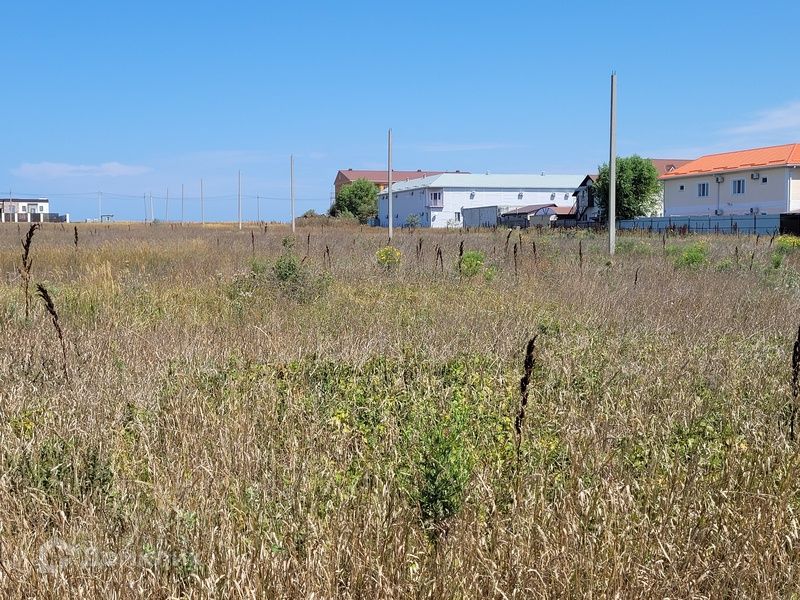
x=463, y=147
x=54, y=170
x=771, y=126
x=782, y=119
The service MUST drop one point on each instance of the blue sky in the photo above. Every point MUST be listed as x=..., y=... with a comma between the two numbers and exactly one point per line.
x=137, y=98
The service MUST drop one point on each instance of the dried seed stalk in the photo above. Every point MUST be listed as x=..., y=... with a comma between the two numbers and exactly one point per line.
x=51, y=309
x=25, y=268
x=524, y=385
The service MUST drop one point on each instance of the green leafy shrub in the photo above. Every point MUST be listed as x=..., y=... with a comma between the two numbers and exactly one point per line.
x=693, y=256
x=388, y=257
x=287, y=269
x=412, y=221
x=471, y=263
x=787, y=244
x=442, y=468
x=63, y=472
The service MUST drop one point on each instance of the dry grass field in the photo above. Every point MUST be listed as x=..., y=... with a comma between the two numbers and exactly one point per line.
x=254, y=415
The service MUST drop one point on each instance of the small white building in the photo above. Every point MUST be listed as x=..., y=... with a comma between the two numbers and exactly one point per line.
x=484, y=216
x=439, y=200
x=28, y=210
x=757, y=181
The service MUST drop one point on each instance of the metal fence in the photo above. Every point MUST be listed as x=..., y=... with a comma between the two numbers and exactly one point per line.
x=762, y=224
x=26, y=217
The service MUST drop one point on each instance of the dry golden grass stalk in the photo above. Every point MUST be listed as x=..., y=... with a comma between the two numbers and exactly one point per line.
x=795, y=384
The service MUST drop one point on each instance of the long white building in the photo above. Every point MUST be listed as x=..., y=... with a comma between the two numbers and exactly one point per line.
x=438, y=200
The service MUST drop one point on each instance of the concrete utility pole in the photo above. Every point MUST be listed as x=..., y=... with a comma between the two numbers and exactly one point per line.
x=612, y=171
x=152, y=208
x=239, y=199
x=291, y=186
x=202, y=211
x=390, y=207
x=144, y=198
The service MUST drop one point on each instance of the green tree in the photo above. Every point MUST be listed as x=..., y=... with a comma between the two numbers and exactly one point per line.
x=359, y=199
x=638, y=188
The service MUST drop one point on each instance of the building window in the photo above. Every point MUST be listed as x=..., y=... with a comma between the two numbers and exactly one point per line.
x=435, y=200
x=702, y=190
x=763, y=180
x=566, y=197
x=738, y=186
x=458, y=216
x=684, y=187
x=22, y=208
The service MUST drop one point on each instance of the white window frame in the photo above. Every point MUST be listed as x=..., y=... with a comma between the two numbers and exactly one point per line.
x=738, y=187
x=703, y=189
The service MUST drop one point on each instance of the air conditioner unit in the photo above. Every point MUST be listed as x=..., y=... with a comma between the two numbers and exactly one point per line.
x=719, y=211
x=719, y=179
x=754, y=210
x=755, y=176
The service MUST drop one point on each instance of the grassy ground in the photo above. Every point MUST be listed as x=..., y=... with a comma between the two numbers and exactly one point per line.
x=246, y=414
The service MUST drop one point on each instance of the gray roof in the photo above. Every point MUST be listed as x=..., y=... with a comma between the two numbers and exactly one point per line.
x=529, y=209
x=494, y=181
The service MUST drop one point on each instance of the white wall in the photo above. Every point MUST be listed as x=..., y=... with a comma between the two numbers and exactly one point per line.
x=770, y=197
x=484, y=216
x=454, y=200
x=404, y=203
x=794, y=182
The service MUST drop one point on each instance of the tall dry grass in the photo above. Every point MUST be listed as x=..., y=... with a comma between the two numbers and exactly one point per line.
x=245, y=417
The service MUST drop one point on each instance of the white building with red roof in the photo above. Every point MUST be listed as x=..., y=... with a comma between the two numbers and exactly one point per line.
x=756, y=181
x=379, y=178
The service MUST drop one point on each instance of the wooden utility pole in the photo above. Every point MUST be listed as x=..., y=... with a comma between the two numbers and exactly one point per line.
x=612, y=171
x=389, y=168
x=291, y=187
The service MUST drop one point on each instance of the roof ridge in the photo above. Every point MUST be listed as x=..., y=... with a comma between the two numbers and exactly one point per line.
x=745, y=150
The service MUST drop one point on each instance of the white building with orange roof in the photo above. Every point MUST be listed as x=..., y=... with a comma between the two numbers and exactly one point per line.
x=757, y=181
